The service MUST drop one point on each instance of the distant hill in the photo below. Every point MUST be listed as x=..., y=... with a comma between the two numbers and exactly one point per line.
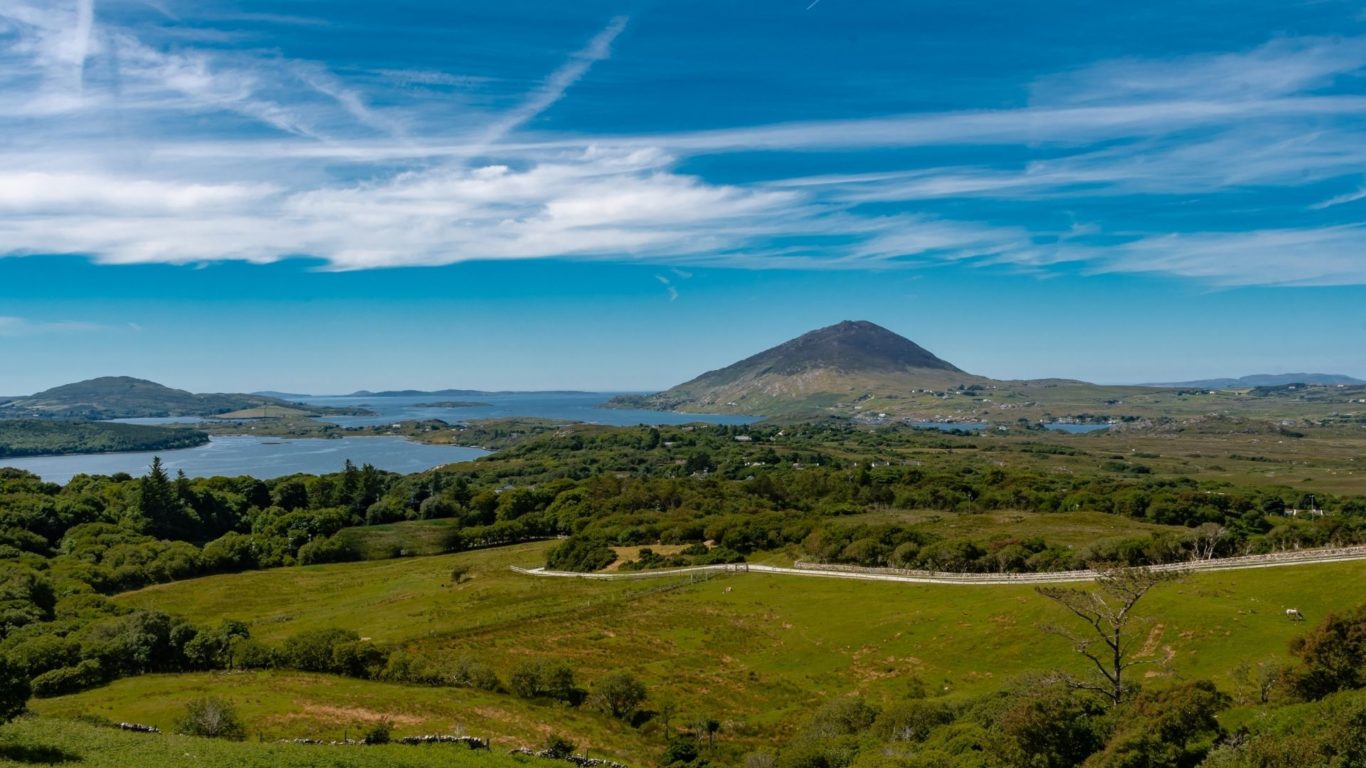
x=40, y=437
x=460, y=393
x=1267, y=380
x=845, y=362
x=124, y=397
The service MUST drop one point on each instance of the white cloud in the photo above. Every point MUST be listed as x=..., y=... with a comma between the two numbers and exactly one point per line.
x=1350, y=197
x=106, y=152
x=1279, y=68
x=1280, y=257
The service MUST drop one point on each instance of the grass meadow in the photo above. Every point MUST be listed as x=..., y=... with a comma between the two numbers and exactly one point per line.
x=758, y=652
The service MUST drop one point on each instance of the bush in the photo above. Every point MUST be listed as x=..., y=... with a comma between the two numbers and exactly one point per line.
x=619, y=694
x=57, y=682
x=558, y=746
x=213, y=718
x=313, y=650
x=581, y=555
x=334, y=549
x=1333, y=655
x=379, y=733
x=543, y=679
x=680, y=752
x=14, y=690
x=471, y=673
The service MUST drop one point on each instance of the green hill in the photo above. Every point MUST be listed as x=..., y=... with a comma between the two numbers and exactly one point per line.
x=121, y=397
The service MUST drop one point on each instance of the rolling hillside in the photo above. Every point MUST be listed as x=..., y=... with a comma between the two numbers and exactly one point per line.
x=121, y=397
x=758, y=652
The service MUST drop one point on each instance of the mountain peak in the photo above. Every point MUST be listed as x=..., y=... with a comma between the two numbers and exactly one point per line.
x=841, y=363
x=851, y=346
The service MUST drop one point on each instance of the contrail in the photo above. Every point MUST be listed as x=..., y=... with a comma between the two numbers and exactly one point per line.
x=813, y=4
x=555, y=86
x=85, y=23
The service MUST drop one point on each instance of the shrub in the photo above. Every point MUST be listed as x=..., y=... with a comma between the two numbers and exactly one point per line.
x=471, y=673
x=680, y=752
x=334, y=549
x=312, y=650
x=14, y=690
x=57, y=682
x=558, y=746
x=1333, y=655
x=619, y=694
x=581, y=555
x=213, y=718
x=379, y=733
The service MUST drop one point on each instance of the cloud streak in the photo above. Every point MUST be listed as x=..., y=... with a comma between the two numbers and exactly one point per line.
x=11, y=326
x=555, y=86
x=312, y=163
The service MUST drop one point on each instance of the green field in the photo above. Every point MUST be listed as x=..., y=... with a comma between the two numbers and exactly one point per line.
x=759, y=652
x=49, y=741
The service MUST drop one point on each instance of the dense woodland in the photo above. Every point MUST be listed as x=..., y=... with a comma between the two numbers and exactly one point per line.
x=726, y=493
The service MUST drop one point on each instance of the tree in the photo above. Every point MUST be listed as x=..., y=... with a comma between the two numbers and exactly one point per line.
x=211, y=717
x=1107, y=612
x=668, y=710
x=160, y=504
x=1333, y=655
x=1050, y=727
x=14, y=690
x=619, y=694
x=1171, y=728
x=711, y=726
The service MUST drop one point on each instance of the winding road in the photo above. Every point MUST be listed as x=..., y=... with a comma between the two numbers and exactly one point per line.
x=1275, y=560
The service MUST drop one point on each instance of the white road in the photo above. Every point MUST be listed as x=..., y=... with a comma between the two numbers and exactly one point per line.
x=1276, y=560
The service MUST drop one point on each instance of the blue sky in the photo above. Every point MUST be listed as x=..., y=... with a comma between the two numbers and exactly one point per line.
x=326, y=196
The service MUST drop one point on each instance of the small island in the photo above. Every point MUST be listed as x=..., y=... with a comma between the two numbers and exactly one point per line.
x=454, y=404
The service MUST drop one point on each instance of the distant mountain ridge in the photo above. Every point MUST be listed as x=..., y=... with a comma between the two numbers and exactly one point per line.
x=125, y=397
x=1267, y=380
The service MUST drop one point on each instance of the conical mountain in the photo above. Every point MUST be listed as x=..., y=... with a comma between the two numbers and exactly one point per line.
x=823, y=371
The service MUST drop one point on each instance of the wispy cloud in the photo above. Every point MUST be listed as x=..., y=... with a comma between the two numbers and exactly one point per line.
x=18, y=326
x=1350, y=197
x=108, y=151
x=668, y=286
x=555, y=86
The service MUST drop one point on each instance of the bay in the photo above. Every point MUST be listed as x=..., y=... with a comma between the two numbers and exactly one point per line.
x=261, y=457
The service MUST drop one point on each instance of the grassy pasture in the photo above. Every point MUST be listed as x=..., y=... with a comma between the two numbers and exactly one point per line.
x=50, y=741
x=758, y=652
x=415, y=537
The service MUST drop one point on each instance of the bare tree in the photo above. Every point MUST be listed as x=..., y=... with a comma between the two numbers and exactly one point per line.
x=1207, y=539
x=1107, y=611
